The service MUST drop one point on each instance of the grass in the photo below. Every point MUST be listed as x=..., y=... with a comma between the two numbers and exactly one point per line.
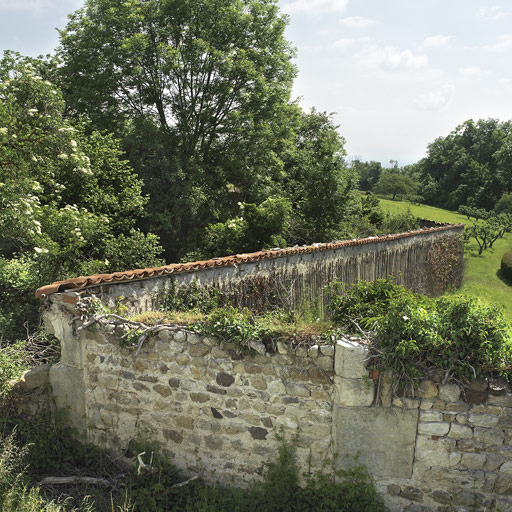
x=481, y=276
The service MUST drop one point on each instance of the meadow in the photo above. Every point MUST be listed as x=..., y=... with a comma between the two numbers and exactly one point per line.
x=482, y=272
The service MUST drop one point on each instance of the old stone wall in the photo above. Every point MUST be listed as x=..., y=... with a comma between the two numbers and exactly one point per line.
x=219, y=413
x=427, y=261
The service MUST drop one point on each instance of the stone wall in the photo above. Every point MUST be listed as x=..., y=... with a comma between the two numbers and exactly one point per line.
x=427, y=261
x=219, y=413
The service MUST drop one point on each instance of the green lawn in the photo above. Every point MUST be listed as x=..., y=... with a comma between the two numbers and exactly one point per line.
x=480, y=275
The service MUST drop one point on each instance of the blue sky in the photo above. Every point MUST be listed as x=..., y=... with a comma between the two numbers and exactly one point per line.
x=398, y=73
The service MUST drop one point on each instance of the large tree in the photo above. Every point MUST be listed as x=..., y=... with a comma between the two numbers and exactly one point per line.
x=198, y=89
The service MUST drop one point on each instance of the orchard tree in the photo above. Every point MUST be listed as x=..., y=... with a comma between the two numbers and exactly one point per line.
x=199, y=91
x=394, y=184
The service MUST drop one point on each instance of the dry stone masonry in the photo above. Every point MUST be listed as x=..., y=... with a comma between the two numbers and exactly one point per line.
x=219, y=413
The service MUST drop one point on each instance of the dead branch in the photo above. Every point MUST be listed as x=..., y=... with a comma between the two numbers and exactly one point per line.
x=72, y=480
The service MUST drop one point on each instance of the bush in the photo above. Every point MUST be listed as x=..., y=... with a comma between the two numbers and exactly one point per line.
x=506, y=265
x=413, y=334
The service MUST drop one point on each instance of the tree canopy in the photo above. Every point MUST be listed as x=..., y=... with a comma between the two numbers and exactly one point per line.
x=470, y=166
x=68, y=200
x=200, y=94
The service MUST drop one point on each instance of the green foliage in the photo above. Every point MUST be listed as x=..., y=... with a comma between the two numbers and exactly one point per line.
x=487, y=232
x=471, y=211
x=368, y=173
x=506, y=265
x=191, y=296
x=414, y=333
x=504, y=205
x=392, y=183
x=69, y=203
x=12, y=364
x=469, y=166
x=232, y=325
x=257, y=227
x=398, y=222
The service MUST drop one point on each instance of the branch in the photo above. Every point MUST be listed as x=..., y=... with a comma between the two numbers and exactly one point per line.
x=72, y=480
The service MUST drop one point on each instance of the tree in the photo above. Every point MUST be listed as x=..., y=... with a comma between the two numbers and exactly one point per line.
x=68, y=201
x=392, y=183
x=317, y=183
x=368, y=173
x=205, y=84
x=470, y=166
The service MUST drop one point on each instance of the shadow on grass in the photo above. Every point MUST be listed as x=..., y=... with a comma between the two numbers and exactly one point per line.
x=501, y=276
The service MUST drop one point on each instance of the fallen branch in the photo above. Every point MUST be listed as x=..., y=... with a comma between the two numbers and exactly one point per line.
x=181, y=484
x=71, y=480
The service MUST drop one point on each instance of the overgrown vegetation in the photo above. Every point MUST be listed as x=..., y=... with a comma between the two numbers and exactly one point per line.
x=43, y=446
x=412, y=335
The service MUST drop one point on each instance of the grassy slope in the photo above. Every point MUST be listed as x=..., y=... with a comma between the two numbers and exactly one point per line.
x=480, y=276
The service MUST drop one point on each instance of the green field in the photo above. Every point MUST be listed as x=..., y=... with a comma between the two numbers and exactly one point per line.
x=481, y=277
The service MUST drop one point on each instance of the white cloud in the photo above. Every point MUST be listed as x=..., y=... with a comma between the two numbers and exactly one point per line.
x=357, y=22
x=492, y=13
x=314, y=5
x=348, y=42
x=24, y=5
x=389, y=58
x=504, y=44
x=472, y=72
x=436, y=41
x=436, y=100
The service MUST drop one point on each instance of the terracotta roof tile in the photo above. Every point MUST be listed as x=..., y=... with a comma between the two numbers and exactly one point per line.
x=176, y=268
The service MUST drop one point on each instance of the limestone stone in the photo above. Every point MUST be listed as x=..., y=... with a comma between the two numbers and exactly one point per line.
x=473, y=460
x=199, y=350
x=483, y=420
x=182, y=359
x=276, y=387
x=301, y=351
x=193, y=338
x=162, y=390
x=297, y=390
x=434, y=429
x=352, y=392
x=383, y=437
x=405, y=403
x=427, y=389
x=258, y=382
x=501, y=400
x=458, y=431
x=37, y=377
x=449, y=392
x=426, y=405
x=488, y=436
x=324, y=362
x=438, y=453
x=462, y=418
x=506, y=467
x=494, y=461
x=327, y=350
x=350, y=359
x=313, y=351
x=282, y=348
x=431, y=416
x=180, y=336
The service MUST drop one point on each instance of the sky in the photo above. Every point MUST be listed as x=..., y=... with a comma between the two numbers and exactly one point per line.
x=396, y=74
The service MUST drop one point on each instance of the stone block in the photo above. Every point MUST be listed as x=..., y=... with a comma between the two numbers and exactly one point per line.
x=350, y=359
x=488, y=436
x=383, y=437
x=37, y=377
x=431, y=416
x=473, y=460
x=353, y=392
x=434, y=429
x=483, y=420
x=427, y=389
x=458, y=431
x=500, y=400
x=297, y=390
x=68, y=391
x=198, y=350
x=327, y=350
x=449, y=392
x=313, y=351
